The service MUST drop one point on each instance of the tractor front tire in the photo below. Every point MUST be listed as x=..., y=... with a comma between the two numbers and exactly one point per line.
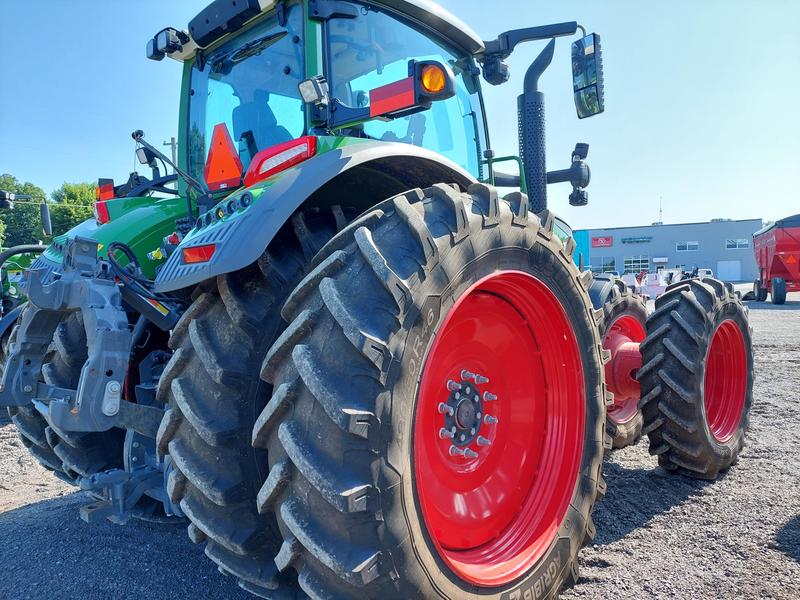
x=214, y=394
x=697, y=377
x=778, y=290
x=69, y=455
x=443, y=353
x=624, y=320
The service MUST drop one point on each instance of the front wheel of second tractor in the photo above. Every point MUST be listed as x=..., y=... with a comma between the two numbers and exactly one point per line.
x=697, y=377
x=437, y=423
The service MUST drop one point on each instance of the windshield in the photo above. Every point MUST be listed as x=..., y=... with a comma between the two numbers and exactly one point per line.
x=372, y=50
x=250, y=85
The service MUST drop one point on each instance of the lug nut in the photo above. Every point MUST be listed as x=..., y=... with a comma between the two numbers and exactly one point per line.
x=482, y=441
x=479, y=379
x=445, y=433
x=489, y=397
x=470, y=453
x=445, y=409
x=472, y=431
x=456, y=451
x=490, y=420
x=453, y=386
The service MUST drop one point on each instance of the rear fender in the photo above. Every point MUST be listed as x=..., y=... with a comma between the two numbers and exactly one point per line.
x=355, y=174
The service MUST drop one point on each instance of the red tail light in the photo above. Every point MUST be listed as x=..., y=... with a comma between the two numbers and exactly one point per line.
x=198, y=254
x=279, y=158
x=101, y=212
x=104, y=191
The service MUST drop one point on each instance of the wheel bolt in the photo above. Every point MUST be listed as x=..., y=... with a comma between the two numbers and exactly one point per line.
x=445, y=409
x=479, y=379
x=456, y=451
x=445, y=433
x=489, y=397
x=482, y=441
x=490, y=420
x=472, y=431
x=453, y=386
x=470, y=453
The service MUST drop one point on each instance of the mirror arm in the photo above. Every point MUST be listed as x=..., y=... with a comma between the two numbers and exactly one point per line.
x=505, y=43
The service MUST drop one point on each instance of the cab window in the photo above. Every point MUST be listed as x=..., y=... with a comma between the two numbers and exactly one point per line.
x=372, y=50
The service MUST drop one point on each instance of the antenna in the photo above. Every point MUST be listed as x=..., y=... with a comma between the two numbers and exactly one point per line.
x=660, y=212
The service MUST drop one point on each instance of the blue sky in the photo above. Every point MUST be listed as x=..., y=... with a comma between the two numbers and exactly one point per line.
x=699, y=99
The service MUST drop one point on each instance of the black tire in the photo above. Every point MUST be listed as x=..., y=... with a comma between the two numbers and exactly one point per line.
x=214, y=394
x=674, y=366
x=338, y=427
x=759, y=293
x=70, y=455
x=778, y=290
x=617, y=300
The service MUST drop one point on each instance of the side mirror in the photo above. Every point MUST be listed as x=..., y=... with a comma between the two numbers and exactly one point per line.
x=47, y=224
x=146, y=156
x=587, y=76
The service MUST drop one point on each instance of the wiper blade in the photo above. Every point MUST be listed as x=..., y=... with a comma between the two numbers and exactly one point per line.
x=222, y=64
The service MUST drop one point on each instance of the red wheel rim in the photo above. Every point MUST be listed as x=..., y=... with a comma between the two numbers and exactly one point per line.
x=623, y=338
x=726, y=381
x=493, y=513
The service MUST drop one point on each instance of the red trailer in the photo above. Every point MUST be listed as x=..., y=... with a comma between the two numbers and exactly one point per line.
x=777, y=249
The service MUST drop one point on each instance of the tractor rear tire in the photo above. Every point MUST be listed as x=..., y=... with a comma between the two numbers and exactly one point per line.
x=214, y=394
x=344, y=428
x=778, y=290
x=697, y=377
x=626, y=311
x=69, y=455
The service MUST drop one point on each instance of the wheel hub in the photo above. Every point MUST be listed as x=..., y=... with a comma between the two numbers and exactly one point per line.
x=463, y=415
x=622, y=338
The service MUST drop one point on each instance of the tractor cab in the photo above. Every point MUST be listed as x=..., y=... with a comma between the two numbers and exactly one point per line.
x=244, y=95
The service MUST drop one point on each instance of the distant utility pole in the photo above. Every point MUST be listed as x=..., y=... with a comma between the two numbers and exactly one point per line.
x=174, y=144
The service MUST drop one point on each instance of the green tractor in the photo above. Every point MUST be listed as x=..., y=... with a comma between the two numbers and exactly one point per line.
x=352, y=366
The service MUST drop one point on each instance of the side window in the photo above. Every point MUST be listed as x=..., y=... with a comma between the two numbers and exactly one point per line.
x=359, y=63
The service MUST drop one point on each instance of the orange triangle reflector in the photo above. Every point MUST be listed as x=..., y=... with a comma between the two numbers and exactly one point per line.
x=223, y=167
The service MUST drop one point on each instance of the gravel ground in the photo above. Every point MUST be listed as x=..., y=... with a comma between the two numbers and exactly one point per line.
x=658, y=536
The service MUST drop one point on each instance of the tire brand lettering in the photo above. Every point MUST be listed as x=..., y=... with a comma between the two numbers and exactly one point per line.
x=542, y=585
x=418, y=344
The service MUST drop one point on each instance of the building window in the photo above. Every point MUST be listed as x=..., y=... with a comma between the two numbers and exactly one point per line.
x=686, y=246
x=636, y=264
x=737, y=244
x=604, y=264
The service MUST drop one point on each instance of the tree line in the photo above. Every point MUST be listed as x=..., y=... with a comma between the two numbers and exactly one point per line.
x=70, y=204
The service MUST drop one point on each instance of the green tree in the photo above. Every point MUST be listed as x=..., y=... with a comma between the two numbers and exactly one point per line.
x=72, y=204
x=22, y=224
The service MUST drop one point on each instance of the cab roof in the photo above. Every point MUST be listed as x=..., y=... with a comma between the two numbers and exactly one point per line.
x=427, y=12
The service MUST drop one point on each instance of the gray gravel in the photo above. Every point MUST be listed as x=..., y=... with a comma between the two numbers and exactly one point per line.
x=658, y=536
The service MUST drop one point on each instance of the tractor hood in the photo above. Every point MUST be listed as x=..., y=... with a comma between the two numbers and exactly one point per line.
x=142, y=228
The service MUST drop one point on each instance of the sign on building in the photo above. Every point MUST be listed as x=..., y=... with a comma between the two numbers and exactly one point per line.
x=602, y=242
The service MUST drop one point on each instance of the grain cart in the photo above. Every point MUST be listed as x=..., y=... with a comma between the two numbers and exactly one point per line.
x=777, y=249
x=389, y=381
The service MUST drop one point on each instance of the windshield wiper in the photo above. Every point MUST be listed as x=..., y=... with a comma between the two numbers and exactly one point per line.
x=221, y=64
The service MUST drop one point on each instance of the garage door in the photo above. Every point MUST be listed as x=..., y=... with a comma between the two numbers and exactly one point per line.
x=729, y=270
